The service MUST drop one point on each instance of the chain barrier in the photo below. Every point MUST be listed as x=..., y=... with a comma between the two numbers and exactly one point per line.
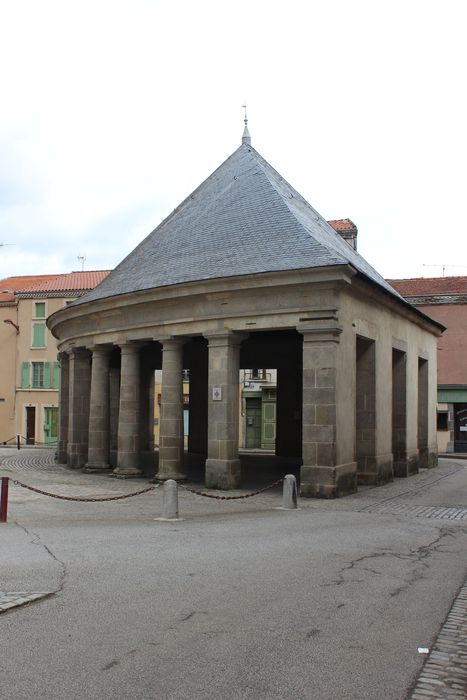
x=231, y=498
x=83, y=499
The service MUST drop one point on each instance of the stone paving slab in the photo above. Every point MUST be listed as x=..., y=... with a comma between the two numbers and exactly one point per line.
x=13, y=599
x=444, y=673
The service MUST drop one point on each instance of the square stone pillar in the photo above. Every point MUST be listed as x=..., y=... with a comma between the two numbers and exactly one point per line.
x=99, y=411
x=171, y=422
x=223, y=464
x=321, y=475
x=78, y=408
x=63, y=402
x=128, y=457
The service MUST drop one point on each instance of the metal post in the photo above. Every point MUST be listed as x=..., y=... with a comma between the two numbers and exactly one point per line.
x=18, y=441
x=4, y=499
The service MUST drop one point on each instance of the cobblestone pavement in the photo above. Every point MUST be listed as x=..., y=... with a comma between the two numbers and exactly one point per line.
x=444, y=673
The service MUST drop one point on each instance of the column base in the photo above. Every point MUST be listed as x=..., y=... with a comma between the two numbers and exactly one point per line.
x=127, y=472
x=428, y=458
x=406, y=465
x=378, y=471
x=96, y=467
x=77, y=456
x=224, y=474
x=159, y=477
x=328, y=482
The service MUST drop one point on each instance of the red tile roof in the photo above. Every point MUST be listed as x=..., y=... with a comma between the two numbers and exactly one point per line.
x=69, y=282
x=430, y=286
x=21, y=282
x=342, y=225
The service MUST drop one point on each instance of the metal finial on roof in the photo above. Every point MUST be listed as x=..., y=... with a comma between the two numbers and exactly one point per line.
x=246, y=138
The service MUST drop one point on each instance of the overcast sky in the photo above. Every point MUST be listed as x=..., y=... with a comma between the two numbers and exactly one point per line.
x=111, y=113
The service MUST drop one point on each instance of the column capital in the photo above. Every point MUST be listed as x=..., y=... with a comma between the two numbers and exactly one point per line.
x=130, y=347
x=225, y=337
x=79, y=352
x=171, y=341
x=325, y=330
x=101, y=349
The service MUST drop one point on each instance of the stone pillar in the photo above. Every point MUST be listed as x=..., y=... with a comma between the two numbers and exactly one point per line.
x=128, y=457
x=223, y=464
x=64, y=400
x=114, y=400
x=171, y=421
x=321, y=476
x=99, y=411
x=78, y=411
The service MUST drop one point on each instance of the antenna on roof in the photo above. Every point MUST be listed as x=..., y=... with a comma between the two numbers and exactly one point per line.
x=246, y=138
x=443, y=266
x=82, y=258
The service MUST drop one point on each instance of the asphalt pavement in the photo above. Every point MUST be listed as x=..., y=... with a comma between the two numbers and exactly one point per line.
x=237, y=599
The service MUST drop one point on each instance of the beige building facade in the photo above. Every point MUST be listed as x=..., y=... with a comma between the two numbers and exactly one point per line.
x=30, y=370
x=246, y=274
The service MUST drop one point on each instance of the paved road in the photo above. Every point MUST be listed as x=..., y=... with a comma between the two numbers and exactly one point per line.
x=235, y=601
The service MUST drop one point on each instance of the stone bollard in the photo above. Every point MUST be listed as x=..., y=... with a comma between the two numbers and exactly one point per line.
x=289, y=493
x=170, y=500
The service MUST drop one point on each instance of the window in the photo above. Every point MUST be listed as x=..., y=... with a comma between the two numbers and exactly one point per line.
x=442, y=420
x=38, y=335
x=39, y=309
x=38, y=375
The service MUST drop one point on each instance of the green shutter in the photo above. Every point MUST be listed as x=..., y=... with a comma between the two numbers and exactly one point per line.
x=40, y=309
x=38, y=337
x=46, y=375
x=25, y=375
x=56, y=375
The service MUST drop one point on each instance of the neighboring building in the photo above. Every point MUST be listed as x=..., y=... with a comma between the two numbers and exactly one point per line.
x=29, y=371
x=246, y=274
x=445, y=300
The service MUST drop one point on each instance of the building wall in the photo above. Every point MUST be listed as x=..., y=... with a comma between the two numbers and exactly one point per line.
x=452, y=345
x=361, y=315
x=8, y=366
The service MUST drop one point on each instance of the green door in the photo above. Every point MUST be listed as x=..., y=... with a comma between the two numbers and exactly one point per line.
x=253, y=424
x=268, y=436
x=50, y=425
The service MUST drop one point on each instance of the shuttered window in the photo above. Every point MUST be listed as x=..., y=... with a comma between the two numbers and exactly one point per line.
x=25, y=375
x=38, y=375
x=38, y=335
x=39, y=309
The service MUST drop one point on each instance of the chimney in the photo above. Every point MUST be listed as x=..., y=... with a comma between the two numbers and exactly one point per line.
x=347, y=230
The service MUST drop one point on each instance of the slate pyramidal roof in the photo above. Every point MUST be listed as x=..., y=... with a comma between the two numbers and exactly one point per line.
x=245, y=219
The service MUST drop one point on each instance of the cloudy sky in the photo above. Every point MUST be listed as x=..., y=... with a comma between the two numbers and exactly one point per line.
x=111, y=113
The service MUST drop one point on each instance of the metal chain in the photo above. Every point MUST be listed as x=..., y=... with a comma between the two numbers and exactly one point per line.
x=83, y=499
x=231, y=498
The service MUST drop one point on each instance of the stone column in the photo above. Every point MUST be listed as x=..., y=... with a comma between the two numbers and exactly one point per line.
x=64, y=399
x=99, y=411
x=223, y=464
x=321, y=476
x=78, y=416
x=171, y=421
x=128, y=458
